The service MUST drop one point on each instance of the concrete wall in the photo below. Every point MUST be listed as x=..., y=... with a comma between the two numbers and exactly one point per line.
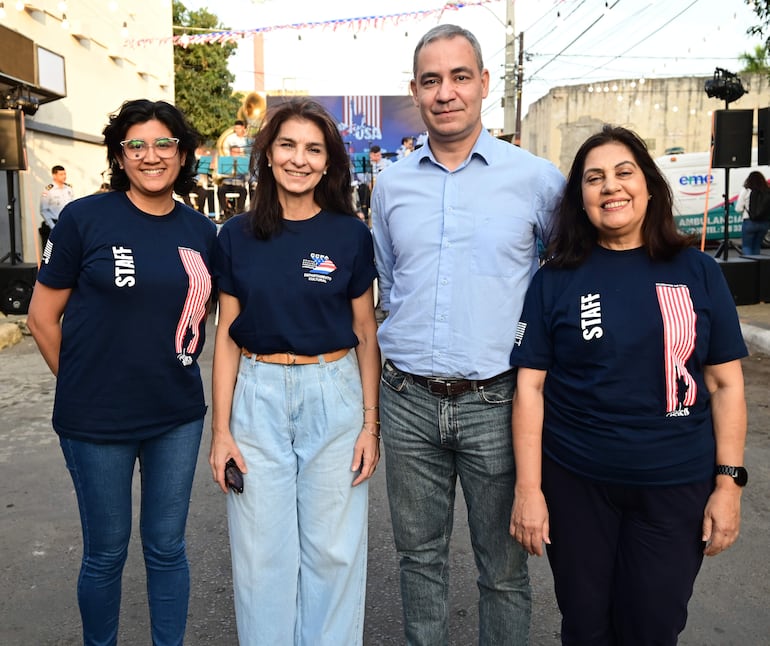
x=102, y=70
x=665, y=112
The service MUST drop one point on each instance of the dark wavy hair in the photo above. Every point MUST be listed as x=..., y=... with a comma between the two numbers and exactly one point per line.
x=332, y=193
x=756, y=182
x=141, y=111
x=574, y=237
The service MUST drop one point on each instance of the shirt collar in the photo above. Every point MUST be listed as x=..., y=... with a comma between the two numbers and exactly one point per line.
x=483, y=149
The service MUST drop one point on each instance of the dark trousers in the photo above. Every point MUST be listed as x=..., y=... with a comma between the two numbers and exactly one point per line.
x=240, y=203
x=624, y=559
x=205, y=199
x=44, y=230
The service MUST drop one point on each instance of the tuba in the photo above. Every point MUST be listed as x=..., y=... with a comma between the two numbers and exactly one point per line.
x=252, y=111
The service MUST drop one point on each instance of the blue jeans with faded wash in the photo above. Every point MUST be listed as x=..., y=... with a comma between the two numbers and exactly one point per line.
x=298, y=532
x=102, y=474
x=429, y=440
x=752, y=235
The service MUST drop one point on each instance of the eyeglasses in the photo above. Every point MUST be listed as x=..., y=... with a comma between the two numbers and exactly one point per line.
x=165, y=147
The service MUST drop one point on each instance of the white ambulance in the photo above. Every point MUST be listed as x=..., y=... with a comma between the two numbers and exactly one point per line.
x=696, y=188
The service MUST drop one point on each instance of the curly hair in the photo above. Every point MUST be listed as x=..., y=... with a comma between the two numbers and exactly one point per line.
x=574, y=237
x=332, y=193
x=141, y=111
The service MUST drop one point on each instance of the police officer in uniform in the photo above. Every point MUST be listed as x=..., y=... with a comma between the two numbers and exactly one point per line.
x=53, y=200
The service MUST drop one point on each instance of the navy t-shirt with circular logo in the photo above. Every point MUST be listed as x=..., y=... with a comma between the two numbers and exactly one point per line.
x=295, y=288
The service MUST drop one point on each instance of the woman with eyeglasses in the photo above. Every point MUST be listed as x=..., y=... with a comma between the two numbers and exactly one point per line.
x=119, y=313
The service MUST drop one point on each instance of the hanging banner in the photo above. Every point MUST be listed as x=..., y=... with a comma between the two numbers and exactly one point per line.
x=355, y=25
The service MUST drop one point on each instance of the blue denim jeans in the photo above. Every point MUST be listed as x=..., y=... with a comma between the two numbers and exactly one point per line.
x=429, y=440
x=102, y=474
x=752, y=234
x=298, y=532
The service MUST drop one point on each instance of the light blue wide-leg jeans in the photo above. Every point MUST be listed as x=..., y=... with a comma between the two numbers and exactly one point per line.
x=298, y=533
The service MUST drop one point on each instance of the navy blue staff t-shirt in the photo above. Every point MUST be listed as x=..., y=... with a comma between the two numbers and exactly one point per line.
x=295, y=288
x=134, y=324
x=625, y=341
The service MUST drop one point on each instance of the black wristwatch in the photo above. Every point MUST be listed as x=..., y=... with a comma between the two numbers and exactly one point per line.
x=739, y=474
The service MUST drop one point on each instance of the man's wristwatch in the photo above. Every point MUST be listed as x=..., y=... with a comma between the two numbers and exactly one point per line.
x=739, y=474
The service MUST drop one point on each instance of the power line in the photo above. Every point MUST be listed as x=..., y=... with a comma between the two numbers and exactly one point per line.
x=647, y=37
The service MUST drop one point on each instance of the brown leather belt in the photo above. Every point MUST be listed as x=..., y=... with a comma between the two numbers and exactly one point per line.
x=291, y=359
x=450, y=387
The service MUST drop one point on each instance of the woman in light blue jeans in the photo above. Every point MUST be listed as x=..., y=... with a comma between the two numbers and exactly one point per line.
x=295, y=388
x=753, y=231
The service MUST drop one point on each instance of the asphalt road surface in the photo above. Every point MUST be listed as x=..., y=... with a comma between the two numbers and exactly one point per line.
x=40, y=542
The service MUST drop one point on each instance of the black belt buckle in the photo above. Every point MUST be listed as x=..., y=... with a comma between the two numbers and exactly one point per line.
x=448, y=387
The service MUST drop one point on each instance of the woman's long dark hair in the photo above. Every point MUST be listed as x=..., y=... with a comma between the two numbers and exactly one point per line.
x=141, y=111
x=574, y=237
x=756, y=182
x=332, y=193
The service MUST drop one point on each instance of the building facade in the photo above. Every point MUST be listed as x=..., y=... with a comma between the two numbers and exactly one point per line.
x=105, y=62
x=667, y=113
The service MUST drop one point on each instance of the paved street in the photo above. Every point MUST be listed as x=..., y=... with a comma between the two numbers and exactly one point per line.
x=40, y=542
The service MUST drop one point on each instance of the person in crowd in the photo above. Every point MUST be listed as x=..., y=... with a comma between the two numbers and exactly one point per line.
x=233, y=182
x=456, y=229
x=629, y=418
x=55, y=197
x=294, y=407
x=406, y=147
x=754, y=229
x=236, y=138
x=377, y=163
x=204, y=194
x=129, y=272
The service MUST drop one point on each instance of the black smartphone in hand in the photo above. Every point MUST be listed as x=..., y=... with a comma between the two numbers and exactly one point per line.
x=233, y=476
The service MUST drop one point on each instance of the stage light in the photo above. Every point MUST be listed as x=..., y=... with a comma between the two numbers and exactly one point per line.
x=725, y=86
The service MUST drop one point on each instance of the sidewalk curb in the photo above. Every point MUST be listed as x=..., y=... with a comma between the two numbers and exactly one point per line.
x=756, y=338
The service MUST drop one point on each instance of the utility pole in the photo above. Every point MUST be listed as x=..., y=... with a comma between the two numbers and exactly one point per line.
x=509, y=92
x=519, y=82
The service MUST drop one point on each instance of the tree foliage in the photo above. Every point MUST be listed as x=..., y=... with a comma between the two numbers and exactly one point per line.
x=203, y=84
x=762, y=28
x=756, y=62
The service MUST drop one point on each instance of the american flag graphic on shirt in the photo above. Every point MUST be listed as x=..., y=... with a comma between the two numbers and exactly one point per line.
x=323, y=264
x=187, y=336
x=678, y=313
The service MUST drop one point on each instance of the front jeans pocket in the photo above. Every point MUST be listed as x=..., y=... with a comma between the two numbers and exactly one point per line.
x=393, y=378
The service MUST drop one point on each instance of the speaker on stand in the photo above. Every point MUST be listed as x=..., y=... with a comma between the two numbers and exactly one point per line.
x=13, y=152
x=13, y=158
x=763, y=136
x=731, y=148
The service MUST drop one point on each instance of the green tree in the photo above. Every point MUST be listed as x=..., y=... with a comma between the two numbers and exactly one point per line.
x=203, y=84
x=762, y=28
x=756, y=62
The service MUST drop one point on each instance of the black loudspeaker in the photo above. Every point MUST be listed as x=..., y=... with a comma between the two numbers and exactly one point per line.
x=732, y=138
x=764, y=276
x=763, y=136
x=742, y=277
x=13, y=151
x=16, y=285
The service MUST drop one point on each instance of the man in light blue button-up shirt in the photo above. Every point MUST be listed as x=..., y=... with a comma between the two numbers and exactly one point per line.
x=457, y=227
